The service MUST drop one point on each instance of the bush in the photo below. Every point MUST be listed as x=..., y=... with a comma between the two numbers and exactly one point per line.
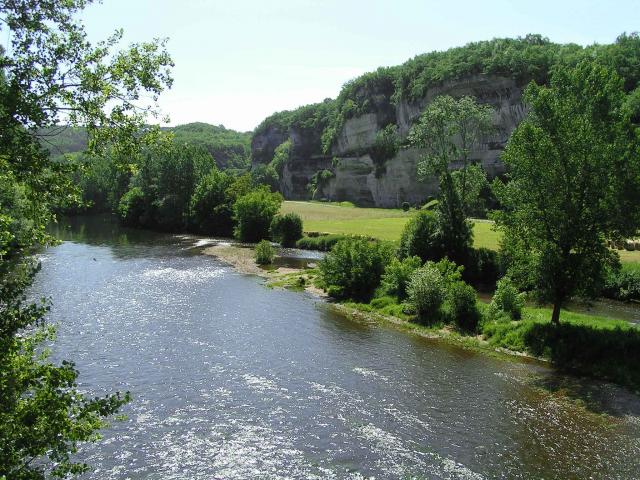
x=132, y=207
x=286, y=229
x=462, y=306
x=623, y=284
x=406, y=206
x=397, y=274
x=254, y=212
x=420, y=237
x=353, y=267
x=426, y=292
x=324, y=243
x=264, y=253
x=507, y=299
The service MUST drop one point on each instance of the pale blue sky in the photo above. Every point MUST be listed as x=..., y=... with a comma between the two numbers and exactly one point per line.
x=238, y=61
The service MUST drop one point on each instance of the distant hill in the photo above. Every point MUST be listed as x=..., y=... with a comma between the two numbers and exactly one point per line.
x=230, y=149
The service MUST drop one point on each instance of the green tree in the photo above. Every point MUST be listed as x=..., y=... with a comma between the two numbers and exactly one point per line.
x=211, y=207
x=50, y=75
x=254, y=213
x=168, y=175
x=470, y=183
x=574, y=182
x=448, y=129
x=421, y=237
x=266, y=175
x=397, y=273
x=286, y=229
x=426, y=292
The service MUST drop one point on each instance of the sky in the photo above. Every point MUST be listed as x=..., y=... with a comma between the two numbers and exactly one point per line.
x=238, y=61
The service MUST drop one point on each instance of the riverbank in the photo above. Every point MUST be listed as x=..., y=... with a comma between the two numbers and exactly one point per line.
x=583, y=344
x=243, y=260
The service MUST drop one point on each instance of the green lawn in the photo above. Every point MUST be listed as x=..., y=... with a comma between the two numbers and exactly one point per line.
x=386, y=223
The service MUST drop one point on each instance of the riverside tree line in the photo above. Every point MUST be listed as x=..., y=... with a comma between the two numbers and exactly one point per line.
x=573, y=185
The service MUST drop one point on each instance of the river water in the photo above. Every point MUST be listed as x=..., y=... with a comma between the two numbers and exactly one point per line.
x=232, y=380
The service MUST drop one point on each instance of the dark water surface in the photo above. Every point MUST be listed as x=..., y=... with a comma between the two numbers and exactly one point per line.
x=231, y=380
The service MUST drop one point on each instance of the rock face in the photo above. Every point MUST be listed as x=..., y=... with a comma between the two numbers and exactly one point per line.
x=356, y=177
x=264, y=144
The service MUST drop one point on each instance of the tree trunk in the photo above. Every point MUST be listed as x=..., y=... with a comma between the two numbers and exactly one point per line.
x=555, y=316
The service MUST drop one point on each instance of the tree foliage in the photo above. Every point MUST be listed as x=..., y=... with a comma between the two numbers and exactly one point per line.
x=353, y=268
x=574, y=171
x=397, y=274
x=421, y=237
x=211, y=210
x=52, y=75
x=448, y=129
x=254, y=213
x=286, y=229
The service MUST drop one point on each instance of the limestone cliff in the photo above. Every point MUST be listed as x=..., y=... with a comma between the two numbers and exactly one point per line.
x=356, y=179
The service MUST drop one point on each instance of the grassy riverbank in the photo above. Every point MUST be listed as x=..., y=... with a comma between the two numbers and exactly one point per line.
x=588, y=345
x=387, y=224
x=593, y=346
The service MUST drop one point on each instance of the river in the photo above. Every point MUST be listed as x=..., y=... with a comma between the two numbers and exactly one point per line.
x=232, y=380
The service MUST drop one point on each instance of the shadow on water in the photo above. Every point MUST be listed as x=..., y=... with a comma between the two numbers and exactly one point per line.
x=339, y=323
x=102, y=230
x=106, y=231
x=596, y=396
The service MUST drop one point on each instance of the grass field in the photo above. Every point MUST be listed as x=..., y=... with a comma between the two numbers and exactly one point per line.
x=386, y=223
x=382, y=223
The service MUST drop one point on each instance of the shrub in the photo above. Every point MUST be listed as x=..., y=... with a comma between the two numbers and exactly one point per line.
x=406, y=206
x=462, y=306
x=286, y=229
x=254, y=212
x=426, y=292
x=353, y=267
x=397, y=274
x=623, y=284
x=324, y=243
x=507, y=299
x=132, y=207
x=264, y=253
x=420, y=237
